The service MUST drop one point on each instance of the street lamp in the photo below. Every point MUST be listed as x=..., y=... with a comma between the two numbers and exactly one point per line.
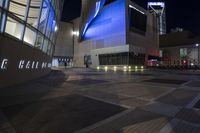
x=197, y=45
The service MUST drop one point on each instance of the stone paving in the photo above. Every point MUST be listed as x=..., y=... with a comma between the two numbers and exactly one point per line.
x=89, y=101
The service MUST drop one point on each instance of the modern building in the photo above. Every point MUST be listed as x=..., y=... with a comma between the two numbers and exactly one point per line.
x=115, y=32
x=27, y=34
x=159, y=9
x=180, y=49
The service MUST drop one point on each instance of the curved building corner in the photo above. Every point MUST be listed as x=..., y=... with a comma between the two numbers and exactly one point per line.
x=28, y=31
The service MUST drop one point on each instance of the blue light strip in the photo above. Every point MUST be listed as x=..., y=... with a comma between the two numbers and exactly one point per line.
x=97, y=9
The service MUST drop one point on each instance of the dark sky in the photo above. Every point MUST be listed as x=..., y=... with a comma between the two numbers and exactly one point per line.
x=180, y=13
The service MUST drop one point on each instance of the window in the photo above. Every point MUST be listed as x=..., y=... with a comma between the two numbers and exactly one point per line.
x=34, y=12
x=0, y=20
x=19, y=8
x=45, y=46
x=14, y=28
x=1, y=3
x=49, y=48
x=44, y=16
x=52, y=50
x=30, y=36
x=51, y=23
x=39, y=41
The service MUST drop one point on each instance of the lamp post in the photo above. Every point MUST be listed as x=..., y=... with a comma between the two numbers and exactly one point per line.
x=197, y=45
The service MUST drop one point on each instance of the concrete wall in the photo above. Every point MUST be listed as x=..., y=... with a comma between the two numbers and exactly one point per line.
x=20, y=62
x=64, y=43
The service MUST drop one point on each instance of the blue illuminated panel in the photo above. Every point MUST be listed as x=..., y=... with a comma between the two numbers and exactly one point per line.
x=99, y=4
x=109, y=23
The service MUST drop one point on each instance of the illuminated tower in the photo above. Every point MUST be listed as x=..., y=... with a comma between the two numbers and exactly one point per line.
x=159, y=9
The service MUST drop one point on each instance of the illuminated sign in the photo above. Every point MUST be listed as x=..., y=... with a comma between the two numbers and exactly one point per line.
x=162, y=4
x=25, y=64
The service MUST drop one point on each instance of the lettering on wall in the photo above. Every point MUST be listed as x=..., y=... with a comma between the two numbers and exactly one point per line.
x=24, y=64
x=4, y=64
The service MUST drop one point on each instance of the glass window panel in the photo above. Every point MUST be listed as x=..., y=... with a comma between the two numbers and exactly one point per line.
x=39, y=41
x=1, y=3
x=0, y=20
x=34, y=12
x=52, y=49
x=45, y=46
x=49, y=49
x=18, y=8
x=30, y=36
x=14, y=28
x=51, y=23
x=44, y=16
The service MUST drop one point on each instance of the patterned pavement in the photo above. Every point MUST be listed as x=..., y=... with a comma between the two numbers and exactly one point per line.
x=90, y=101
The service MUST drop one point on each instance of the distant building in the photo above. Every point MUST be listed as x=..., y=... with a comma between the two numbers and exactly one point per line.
x=180, y=48
x=159, y=9
x=177, y=29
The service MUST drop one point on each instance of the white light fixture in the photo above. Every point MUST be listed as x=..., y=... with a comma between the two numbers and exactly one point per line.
x=136, y=9
x=75, y=33
x=197, y=45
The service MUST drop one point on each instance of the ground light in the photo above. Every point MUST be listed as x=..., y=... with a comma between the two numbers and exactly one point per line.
x=129, y=68
x=142, y=67
x=98, y=68
x=106, y=68
x=136, y=67
x=115, y=68
x=125, y=68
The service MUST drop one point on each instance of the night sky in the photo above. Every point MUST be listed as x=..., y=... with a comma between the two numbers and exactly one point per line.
x=180, y=13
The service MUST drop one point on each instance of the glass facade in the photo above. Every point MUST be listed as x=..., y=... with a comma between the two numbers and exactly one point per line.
x=34, y=22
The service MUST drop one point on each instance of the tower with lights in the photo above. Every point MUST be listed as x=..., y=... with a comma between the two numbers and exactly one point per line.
x=159, y=9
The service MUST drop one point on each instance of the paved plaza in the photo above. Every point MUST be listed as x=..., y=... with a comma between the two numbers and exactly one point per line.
x=81, y=100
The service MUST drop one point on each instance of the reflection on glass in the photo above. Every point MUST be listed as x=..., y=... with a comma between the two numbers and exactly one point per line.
x=44, y=16
x=49, y=49
x=1, y=3
x=39, y=41
x=52, y=49
x=14, y=28
x=30, y=36
x=51, y=23
x=0, y=21
x=18, y=8
x=45, y=46
x=34, y=12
